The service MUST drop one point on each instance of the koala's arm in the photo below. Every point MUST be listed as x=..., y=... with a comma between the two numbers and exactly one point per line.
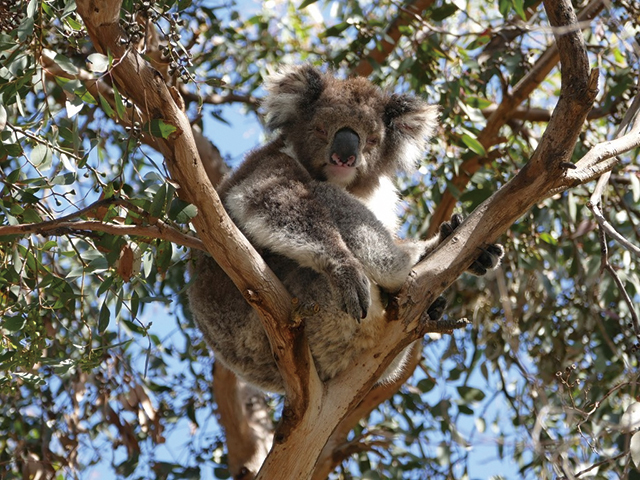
x=274, y=204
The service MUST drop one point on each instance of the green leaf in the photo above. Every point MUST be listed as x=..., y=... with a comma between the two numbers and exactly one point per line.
x=504, y=6
x=158, y=128
x=159, y=202
x=41, y=156
x=478, y=102
x=98, y=62
x=32, y=8
x=64, y=179
x=66, y=64
x=63, y=367
x=105, y=106
x=135, y=327
x=336, y=30
x=105, y=315
x=474, y=145
x=426, y=385
x=181, y=211
x=306, y=3
x=117, y=99
x=518, y=5
x=634, y=448
x=470, y=394
x=14, y=324
x=547, y=238
x=163, y=257
x=3, y=118
x=635, y=187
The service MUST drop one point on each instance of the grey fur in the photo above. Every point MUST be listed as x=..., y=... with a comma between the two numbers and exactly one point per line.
x=324, y=224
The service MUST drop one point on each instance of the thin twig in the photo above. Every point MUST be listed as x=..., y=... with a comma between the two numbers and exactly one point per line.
x=55, y=227
x=603, y=462
x=610, y=230
x=627, y=299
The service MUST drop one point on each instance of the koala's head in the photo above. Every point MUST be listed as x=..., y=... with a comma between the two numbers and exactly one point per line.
x=347, y=132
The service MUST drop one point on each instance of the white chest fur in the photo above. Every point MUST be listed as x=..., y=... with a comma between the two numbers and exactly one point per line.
x=383, y=202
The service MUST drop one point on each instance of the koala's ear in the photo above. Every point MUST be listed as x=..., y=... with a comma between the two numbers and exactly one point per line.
x=411, y=122
x=291, y=92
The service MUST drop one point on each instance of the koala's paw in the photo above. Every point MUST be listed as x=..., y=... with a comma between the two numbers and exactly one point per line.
x=352, y=288
x=447, y=228
x=436, y=310
x=488, y=259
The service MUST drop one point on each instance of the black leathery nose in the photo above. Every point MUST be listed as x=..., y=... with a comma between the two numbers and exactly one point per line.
x=344, y=150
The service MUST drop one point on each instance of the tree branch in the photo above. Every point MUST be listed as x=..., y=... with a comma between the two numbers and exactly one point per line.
x=244, y=416
x=499, y=117
x=313, y=410
x=58, y=227
x=233, y=252
x=385, y=47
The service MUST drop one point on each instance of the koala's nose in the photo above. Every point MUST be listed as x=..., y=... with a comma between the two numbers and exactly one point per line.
x=345, y=147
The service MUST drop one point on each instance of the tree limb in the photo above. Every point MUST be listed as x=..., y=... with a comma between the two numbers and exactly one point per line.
x=233, y=252
x=245, y=418
x=499, y=117
x=313, y=410
x=56, y=227
x=384, y=48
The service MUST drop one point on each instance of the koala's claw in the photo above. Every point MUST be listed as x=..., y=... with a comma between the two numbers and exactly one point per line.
x=352, y=285
x=436, y=310
x=487, y=260
x=447, y=228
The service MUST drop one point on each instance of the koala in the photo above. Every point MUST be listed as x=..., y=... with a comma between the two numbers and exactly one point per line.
x=319, y=204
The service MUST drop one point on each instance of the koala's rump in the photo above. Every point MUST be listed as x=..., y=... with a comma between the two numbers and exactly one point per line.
x=230, y=326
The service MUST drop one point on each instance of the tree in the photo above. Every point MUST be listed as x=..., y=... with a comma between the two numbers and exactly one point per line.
x=95, y=229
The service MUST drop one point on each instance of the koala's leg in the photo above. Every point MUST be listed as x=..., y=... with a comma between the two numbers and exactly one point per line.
x=385, y=261
x=285, y=216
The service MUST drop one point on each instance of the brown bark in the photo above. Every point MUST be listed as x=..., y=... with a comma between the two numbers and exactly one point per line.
x=245, y=418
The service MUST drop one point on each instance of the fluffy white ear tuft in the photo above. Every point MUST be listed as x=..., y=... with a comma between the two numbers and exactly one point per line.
x=412, y=121
x=290, y=92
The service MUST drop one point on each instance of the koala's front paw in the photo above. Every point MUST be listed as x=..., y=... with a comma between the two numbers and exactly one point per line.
x=487, y=260
x=352, y=287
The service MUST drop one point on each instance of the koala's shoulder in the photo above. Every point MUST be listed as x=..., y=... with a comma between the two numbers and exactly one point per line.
x=268, y=161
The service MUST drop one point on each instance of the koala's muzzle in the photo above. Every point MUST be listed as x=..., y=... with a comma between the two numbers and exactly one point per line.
x=345, y=148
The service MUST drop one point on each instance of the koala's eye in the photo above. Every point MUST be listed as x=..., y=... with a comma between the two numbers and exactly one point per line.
x=373, y=140
x=320, y=130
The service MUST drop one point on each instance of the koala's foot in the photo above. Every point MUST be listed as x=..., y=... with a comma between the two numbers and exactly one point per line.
x=302, y=311
x=487, y=260
x=489, y=257
x=436, y=310
x=351, y=286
